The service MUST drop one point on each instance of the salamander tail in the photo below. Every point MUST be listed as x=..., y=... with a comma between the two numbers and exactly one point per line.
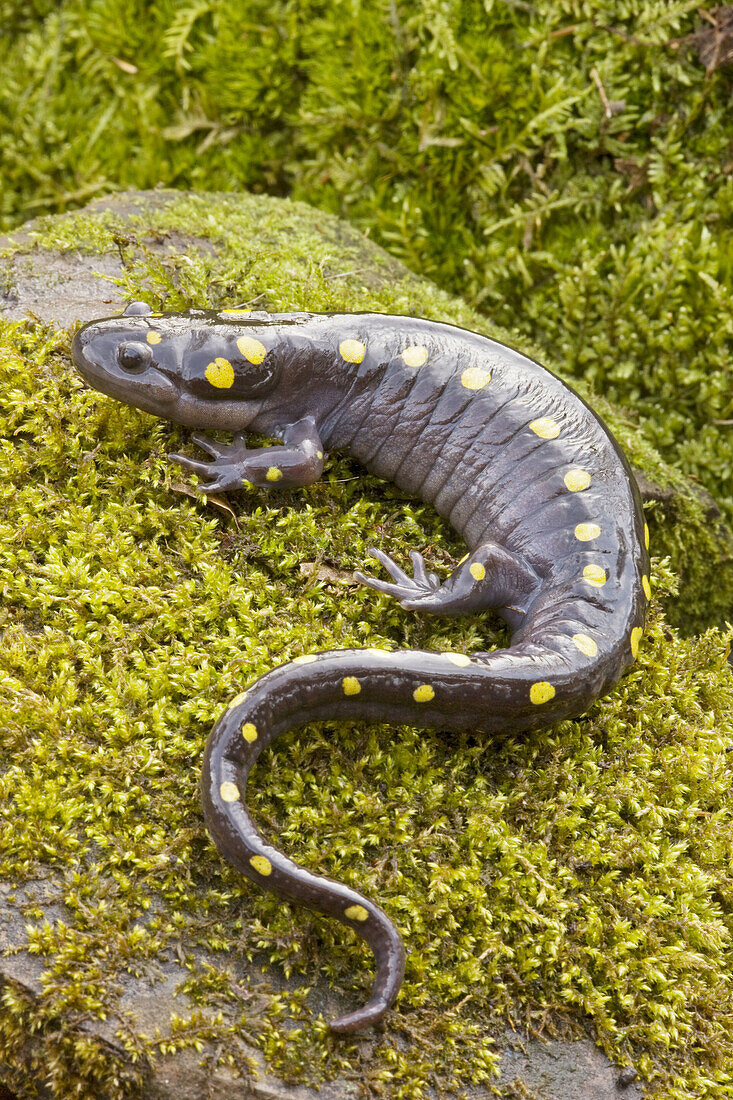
x=512, y=689
x=233, y=747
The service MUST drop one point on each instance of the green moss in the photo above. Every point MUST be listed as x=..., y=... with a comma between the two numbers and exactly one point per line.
x=471, y=138
x=582, y=874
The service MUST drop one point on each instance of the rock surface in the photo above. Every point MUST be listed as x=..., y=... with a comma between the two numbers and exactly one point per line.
x=558, y=1070
x=552, y=1070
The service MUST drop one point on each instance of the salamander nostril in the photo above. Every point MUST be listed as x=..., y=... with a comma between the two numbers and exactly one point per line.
x=133, y=356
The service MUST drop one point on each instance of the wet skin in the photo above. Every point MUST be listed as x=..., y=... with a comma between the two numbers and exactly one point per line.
x=518, y=464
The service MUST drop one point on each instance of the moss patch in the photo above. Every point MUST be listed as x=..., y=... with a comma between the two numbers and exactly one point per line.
x=582, y=874
x=566, y=167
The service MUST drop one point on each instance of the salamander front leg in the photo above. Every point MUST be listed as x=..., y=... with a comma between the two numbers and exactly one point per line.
x=233, y=466
x=491, y=576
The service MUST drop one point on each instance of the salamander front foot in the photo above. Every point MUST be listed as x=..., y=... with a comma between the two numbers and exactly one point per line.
x=228, y=466
x=236, y=466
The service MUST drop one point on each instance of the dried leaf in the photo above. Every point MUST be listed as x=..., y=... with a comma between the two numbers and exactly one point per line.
x=637, y=171
x=126, y=66
x=321, y=572
x=218, y=502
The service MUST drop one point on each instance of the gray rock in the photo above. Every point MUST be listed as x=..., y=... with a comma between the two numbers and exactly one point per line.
x=64, y=286
x=559, y=1070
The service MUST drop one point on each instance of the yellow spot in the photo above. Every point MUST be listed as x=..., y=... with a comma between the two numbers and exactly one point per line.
x=647, y=587
x=306, y=659
x=585, y=644
x=545, y=427
x=229, y=792
x=353, y=351
x=423, y=694
x=541, y=692
x=153, y=337
x=319, y=454
x=646, y=536
x=475, y=379
x=273, y=474
x=247, y=484
x=220, y=373
x=587, y=531
x=356, y=912
x=155, y=315
x=249, y=732
x=634, y=640
x=238, y=699
x=351, y=685
x=577, y=480
x=459, y=659
x=595, y=575
x=254, y=351
x=235, y=313
x=261, y=864
x=477, y=571
x=415, y=355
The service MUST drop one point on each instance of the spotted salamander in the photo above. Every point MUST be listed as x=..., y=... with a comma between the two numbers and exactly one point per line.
x=519, y=465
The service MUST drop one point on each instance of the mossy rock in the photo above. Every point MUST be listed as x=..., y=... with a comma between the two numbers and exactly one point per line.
x=578, y=879
x=183, y=250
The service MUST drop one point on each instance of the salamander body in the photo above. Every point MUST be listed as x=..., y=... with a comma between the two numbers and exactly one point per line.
x=506, y=452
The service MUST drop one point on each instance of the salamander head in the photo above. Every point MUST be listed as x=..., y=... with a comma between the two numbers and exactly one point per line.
x=198, y=368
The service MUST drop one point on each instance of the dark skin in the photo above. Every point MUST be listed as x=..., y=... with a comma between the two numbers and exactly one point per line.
x=508, y=454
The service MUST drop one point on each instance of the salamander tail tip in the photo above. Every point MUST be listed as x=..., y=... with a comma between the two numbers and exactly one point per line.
x=370, y=1014
x=390, y=956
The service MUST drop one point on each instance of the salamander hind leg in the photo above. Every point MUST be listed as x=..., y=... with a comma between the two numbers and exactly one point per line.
x=491, y=576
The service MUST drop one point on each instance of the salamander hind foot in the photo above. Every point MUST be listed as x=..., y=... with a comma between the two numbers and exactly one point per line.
x=490, y=576
x=407, y=590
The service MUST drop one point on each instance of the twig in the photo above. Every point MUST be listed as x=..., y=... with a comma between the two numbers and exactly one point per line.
x=344, y=274
x=562, y=32
x=601, y=91
x=611, y=106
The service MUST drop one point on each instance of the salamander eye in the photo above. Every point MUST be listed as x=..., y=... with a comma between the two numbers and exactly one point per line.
x=134, y=356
